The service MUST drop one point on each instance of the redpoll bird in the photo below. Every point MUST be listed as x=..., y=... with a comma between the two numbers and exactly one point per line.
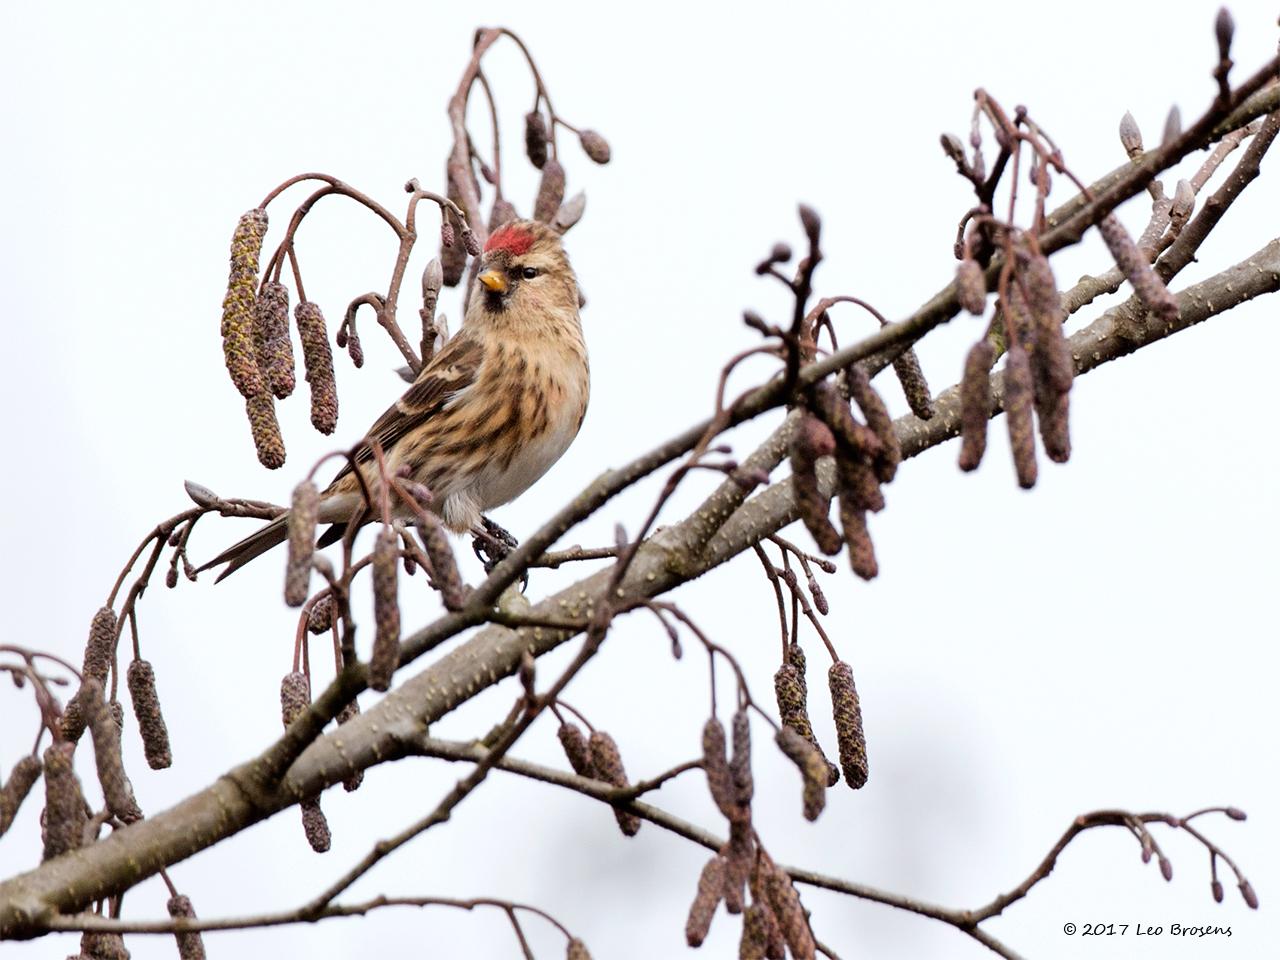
x=492, y=410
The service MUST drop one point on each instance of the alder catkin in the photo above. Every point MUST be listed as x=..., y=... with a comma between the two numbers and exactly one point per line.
x=261, y=410
x=444, y=567
x=239, y=302
x=606, y=762
x=812, y=766
x=99, y=655
x=975, y=403
x=295, y=696
x=705, y=901
x=102, y=946
x=503, y=211
x=878, y=419
x=271, y=338
x=715, y=763
x=848, y=718
x=792, y=693
x=1150, y=289
x=740, y=764
x=64, y=816
x=386, y=610
x=856, y=481
x=914, y=385
x=22, y=778
x=116, y=788
x=1018, y=399
x=315, y=826
x=304, y=512
x=576, y=950
x=755, y=934
x=190, y=943
x=862, y=553
x=575, y=748
x=570, y=213
x=141, y=678
x=550, y=191
x=595, y=146
x=317, y=361
x=790, y=913
x=971, y=287
x=811, y=440
x=535, y=138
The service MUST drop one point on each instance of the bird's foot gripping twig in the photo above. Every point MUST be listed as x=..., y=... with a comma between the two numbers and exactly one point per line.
x=492, y=544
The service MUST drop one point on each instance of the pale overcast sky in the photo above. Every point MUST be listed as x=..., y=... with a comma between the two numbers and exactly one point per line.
x=1107, y=640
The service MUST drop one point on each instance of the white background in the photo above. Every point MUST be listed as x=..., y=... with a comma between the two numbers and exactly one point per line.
x=1105, y=640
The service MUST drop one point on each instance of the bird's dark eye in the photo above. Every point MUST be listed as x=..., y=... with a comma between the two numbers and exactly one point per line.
x=529, y=272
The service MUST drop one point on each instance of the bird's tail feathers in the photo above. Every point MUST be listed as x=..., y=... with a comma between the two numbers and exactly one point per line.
x=252, y=546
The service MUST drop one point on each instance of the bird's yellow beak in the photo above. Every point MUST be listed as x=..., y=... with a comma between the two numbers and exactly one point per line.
x=493, y=280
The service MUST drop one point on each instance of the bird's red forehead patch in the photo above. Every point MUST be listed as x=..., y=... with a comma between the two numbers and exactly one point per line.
x=515, y=240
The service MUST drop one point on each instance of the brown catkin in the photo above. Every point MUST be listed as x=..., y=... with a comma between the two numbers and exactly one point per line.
x=576, y=950
x=261, y=410
x=848, y=717
x=99, y=655
x=116, y=788
x=1055, y=427
x=444, y=567
x=271, y=338
x=914, y=385
x=595, y=146
x=1018, y=397
x=570, y=213
x=535, y=138
x=755, y=934
x=64, y=816
x=315, y=826
x=971, y=287
x=503, y=211
x=775, y=948
x=386, y=610
x=1052, y=356
x=238, y=304
x=878, y=419
x=975, y=403
x=811, y=440
x=790, y=913
x=550, y=191
x=715, y=763
x=190, y=944
x=317, y=361
x=352, y=781
x=792, y=693
x=739, y=850
x=102, y=946
x=852, y=438
x=606, y=762
x=740, y=764
x=1146, y=284
x=862, y=552
x=575, y=748
x=812, y=766
x=705, y=901
x=22, y=778
x=470, y=242
x=857, y=482
x=303, y=514
x=453, y=258
x=141, y=678
x=100, y=652
x=295, y=696
x=320, y=617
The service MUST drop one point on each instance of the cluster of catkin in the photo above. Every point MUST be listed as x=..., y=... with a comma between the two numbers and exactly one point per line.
x=1038, y=367
x=866, y=455
x=797, y=739
x=742, y=875
x=66, y=817
x=597, y=757
x=258, y=350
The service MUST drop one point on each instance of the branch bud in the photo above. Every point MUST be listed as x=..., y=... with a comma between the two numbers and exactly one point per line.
x=595, y=146
x=1130, y=136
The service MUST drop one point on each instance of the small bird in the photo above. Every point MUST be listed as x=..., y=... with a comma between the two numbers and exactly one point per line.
x=490, y=413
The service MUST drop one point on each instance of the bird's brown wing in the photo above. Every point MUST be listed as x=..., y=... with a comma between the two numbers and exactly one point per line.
x=450, y=371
